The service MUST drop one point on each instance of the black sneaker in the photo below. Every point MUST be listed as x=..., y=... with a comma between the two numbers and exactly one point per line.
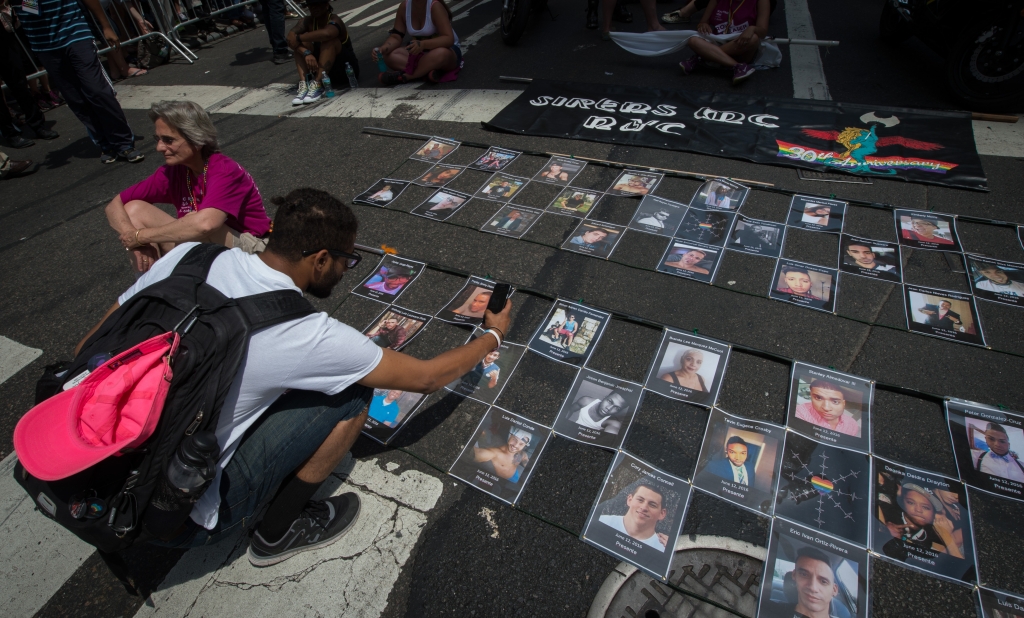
x=322, y=523
x=18, y=141
x=107, y=158
x=283, y=57
x=131, y=155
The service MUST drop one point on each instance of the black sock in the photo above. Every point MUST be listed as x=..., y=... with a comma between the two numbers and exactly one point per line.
x=286, y=507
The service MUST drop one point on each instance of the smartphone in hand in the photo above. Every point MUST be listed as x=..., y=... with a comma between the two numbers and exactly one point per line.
x=499, y=297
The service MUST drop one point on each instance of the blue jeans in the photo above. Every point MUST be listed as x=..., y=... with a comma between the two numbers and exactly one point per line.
x=275, y=446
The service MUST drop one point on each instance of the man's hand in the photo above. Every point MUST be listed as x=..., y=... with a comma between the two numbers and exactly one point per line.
x=499, y=320
x=704, y=28
x=111, y=38
x=663, y=538
x=311, y=63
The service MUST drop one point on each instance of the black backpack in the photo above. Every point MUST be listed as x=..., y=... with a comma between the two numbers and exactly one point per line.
x=215, y=337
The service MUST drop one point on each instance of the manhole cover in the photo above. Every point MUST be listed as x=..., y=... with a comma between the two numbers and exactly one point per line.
x=719, y=568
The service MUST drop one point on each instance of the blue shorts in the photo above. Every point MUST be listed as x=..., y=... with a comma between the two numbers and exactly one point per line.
x=275, y=446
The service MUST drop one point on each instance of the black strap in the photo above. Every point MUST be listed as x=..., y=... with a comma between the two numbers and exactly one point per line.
x=120, y=569
x=270, y=308
x=197, y=262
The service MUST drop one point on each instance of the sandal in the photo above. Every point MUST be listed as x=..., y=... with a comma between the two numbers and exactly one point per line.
x=674, y=17
x=392, y=78
x=134, y=72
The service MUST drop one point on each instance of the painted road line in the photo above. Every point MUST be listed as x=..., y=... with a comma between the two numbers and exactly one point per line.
x=37, y=556
x=14, y=356
x=348, y=15
x=445, y=105
x=141, y=97
x=808, y=74
x=474, y=38
x=1000, y=139
x=354, y=576
x=468, y=11
x=374, y=16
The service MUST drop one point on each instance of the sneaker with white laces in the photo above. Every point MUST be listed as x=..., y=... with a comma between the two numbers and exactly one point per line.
x=301, y=92
x=321, y=523
x=316, y=90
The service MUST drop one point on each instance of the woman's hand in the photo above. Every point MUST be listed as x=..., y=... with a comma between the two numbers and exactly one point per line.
x=944, y=528
x=415, y=47
x=143, y=258
x=704, y=28
x=747, y=37
x=144, y=26
x=128, y=237
x=380, y=52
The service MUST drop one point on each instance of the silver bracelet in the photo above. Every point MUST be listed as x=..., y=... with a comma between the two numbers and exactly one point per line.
x=496, y=336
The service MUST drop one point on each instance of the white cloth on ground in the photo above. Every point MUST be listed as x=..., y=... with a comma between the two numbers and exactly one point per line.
x=671, y=41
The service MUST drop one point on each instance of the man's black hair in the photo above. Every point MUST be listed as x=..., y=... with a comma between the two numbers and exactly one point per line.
x=649, y=485
x=794, y=269
x=735, y=440
x=996, y=427
x=311, y=220
x=816, y=554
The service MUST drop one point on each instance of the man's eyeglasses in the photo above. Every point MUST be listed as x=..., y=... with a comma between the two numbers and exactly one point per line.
x=351, y=259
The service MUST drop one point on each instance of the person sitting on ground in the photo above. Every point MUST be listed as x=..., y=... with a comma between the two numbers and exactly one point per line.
x=215, y=198
x=433, y=52
x=300, y=398
x=610, y=10
x=318, y=43
x=749, y=17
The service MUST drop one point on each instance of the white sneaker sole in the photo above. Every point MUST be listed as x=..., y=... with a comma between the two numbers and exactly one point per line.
x=256, y=561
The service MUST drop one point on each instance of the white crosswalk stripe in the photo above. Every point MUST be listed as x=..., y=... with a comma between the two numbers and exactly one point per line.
x=373, y=17
x=14, y=356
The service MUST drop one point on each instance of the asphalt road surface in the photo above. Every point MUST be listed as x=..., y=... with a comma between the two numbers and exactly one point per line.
x=434, y=546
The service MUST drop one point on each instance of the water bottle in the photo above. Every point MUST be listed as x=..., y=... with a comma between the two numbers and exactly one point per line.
x=381, y=65
x=189, y=472
x=328, y=89
x=193, y=463
x=352, y=82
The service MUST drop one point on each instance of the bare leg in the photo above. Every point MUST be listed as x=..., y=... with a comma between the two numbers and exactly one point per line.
x=328, y=53
x=326, y=458
x=651, y=15
x=442, y=59
x=300, y=65
x=145, y=215
x=397, y=59
x=709, y=51
x=688, y=10
x=607, y=10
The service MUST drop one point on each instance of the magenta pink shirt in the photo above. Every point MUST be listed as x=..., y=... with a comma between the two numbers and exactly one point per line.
x=744, y=14
x=847, y=425
x=228, y=188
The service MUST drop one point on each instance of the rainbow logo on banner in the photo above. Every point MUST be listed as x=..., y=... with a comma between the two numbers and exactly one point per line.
x=706, y=226
x=833, y=159
x=823, y=485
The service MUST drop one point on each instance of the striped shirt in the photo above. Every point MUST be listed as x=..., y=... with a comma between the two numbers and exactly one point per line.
x=58, y=24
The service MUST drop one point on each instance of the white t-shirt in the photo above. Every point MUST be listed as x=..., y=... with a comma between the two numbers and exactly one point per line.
x=314, y=353
x=615, y=521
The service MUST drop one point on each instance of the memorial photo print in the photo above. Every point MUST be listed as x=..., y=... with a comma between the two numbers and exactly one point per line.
x=512, y=221
x=594, y=238
x=501, y=187
x=638, y=515
x=389, y=410
x=501, y=454
x=485, y=381
x=806, y=285
x=688, y=368
x=738, y=460
x=987, y=442
x=560, y=170
x=812, y=575
x=598, y=409
x=943, y=314
x=634, y=183
x=995, y=604
x=470, y=303
x=720, y=193
x=570, y=332
x=441, y=205
x=817, y=214
x=691, y=260
x=922, y=520
x=825, y=487
x=435, y=149
x=757, y=237
x=656, y=215
x=382, y=193
x=926, y=230
x=876, y=259
x=831, y=406
x=390, y=280
x=439, y=176
x=996, y=281
x=396, y=327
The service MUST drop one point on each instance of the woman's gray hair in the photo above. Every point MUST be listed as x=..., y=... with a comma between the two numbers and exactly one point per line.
x=189, y=119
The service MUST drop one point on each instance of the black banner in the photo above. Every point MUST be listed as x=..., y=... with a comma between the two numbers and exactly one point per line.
x=933, y=147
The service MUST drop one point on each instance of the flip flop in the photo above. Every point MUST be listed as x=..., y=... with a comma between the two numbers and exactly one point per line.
x=137, y=72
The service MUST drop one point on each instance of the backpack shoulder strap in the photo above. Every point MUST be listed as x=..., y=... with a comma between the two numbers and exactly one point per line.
x=270, y=308
x=197, y=262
